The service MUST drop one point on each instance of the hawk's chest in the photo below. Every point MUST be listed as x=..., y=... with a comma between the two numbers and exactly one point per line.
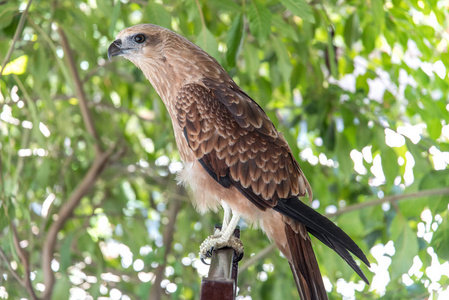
x=185, y=152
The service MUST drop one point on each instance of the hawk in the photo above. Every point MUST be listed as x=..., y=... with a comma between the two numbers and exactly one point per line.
x=232, y=154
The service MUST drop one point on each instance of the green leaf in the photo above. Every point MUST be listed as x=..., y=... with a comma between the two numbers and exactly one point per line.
x=259, y=21
x=114, y=18
x=283, y=59
x=17, y=66
x=331, y=55
x=440, y=239
x=251, y=61
x=7, y=14
x=372, y=217
x=4, y=220
x=434, y=126
x=422, y=165
x=351, y=223
x=157, y=14
x=227, y=5
x=346, y=165
x=61, y=288
x=351, y=30
x=330, y=136
x=143, y=290
x=428, y=31
x=390, y=165
x=405, y=245
x=378, y=13
x=364, y=135
x=413, y=209
x=208, y=43
x=433, y=180
x=66, y=253
x=298, y=75
x=369, y=36
x=234, y=40
x=284, y=29
x=299, y=8
x=42, y=174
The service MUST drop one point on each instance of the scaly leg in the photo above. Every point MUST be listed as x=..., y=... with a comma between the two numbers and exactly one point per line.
x=227, y=214
x=223, y=238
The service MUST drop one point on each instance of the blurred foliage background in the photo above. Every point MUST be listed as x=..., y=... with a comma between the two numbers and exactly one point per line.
x=89, y=205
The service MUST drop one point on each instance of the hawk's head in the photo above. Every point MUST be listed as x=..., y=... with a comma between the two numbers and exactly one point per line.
x=166, y=58
x=143, y=41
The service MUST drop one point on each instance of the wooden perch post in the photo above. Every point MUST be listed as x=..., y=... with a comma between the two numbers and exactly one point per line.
x=221, y=282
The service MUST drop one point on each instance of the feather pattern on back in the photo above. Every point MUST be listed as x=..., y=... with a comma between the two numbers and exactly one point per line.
x=231, y=142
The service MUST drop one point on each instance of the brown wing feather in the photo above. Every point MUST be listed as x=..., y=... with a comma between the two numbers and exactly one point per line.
x=233, y=138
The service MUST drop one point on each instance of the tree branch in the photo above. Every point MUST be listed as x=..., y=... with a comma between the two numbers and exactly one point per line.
x=87, y=117
x=23, y=254
x=203, y=22
x=16, y=37
x=424, y=193
x=261, y=254
x=432, y=192
x=156, y=290
x=13, y=272
x=24, y=258
x=65, y=212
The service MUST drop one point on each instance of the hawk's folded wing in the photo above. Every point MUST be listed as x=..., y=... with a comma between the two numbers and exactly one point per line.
x=237, y=144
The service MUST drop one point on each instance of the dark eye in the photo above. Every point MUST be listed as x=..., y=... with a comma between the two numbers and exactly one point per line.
x=139, y=38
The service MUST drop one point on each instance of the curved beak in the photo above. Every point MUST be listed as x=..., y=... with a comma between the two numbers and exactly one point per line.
x=115, y=49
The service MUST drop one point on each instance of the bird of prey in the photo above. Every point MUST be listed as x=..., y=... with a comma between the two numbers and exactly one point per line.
x=232, y=154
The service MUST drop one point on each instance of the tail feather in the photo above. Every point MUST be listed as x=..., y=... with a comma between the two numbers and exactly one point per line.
x=324, y=230
x=304, y=266
x=342, y=252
